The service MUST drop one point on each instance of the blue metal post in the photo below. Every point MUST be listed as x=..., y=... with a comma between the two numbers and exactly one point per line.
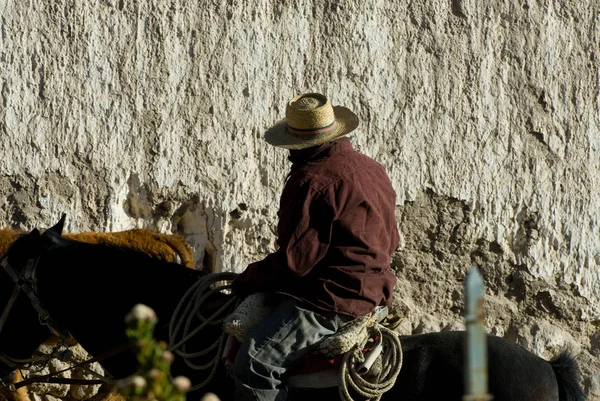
x=476, y=372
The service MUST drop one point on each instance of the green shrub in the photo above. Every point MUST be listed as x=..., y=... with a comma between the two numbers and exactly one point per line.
x=151, y=383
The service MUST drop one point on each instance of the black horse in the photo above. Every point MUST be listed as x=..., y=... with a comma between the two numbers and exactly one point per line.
x=88, y=289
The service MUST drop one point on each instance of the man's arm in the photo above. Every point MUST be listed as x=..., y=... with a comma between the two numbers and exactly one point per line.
x=305, y=222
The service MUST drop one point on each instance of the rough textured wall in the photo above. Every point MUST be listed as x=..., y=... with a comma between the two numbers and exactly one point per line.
x=486, y=114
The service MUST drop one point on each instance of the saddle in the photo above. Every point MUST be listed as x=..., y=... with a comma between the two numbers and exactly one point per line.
x=321, y=368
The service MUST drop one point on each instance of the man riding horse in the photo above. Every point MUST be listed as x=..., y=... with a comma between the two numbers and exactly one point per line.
x=336, y=234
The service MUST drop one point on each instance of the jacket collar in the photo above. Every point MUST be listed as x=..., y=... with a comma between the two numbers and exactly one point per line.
x=301, y=156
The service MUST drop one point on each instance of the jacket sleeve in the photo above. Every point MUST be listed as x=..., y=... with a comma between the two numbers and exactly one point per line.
x=257, y=277
x=304, y=235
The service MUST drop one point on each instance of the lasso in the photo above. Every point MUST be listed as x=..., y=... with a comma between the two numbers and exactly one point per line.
x=189, y=312
x=183, y=325
x=371, y=387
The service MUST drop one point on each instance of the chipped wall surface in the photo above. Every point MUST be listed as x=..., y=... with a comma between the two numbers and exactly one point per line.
x=485, y=114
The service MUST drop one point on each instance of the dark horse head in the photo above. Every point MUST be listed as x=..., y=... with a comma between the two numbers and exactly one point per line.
x=21, y=330
x=88, y=289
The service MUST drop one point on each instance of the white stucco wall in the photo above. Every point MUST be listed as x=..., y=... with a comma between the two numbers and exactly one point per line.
x=151, y=114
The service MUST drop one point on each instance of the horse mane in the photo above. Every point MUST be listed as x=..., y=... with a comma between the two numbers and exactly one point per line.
x=106, y=246
x=168, y=247
x=7, y=237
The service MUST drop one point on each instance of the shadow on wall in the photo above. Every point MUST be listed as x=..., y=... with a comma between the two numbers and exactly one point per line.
x=440, y=243
x=198, y=225
x=194, y=221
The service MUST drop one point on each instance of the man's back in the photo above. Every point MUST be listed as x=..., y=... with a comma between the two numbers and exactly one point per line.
x=351, y=203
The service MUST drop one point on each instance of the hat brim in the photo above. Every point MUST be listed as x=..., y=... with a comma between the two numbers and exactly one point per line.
x=278, y=135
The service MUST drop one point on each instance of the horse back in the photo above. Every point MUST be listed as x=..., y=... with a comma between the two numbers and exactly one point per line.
x=433, y=369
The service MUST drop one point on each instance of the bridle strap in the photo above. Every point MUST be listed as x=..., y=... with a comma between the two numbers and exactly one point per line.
x=27, y=284
x=9, y=306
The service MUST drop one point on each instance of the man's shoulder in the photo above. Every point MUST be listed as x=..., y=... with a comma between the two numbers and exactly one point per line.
x=351, y=160
x=347, y=164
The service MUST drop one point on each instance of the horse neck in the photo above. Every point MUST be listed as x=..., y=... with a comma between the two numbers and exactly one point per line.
x=105, y=283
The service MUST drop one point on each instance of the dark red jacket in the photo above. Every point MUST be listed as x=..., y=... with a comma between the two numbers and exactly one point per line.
x=337, y=232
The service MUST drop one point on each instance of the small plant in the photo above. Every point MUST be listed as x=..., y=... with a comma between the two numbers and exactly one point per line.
x=151, y=383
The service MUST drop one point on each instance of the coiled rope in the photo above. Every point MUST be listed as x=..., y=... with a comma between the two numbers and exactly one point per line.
x=188, y=315
x=367, y=385
x=188, y=321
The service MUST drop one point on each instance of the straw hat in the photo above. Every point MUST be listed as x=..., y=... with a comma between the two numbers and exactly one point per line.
x=311, y=120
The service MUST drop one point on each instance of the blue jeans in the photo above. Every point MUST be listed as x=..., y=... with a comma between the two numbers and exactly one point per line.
x=286, y=335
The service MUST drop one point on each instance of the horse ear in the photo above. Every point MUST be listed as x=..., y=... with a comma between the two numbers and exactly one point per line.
x=25, y=247
x=58, y=227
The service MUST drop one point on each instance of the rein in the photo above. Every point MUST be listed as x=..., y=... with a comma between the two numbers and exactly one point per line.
x=50, y=377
